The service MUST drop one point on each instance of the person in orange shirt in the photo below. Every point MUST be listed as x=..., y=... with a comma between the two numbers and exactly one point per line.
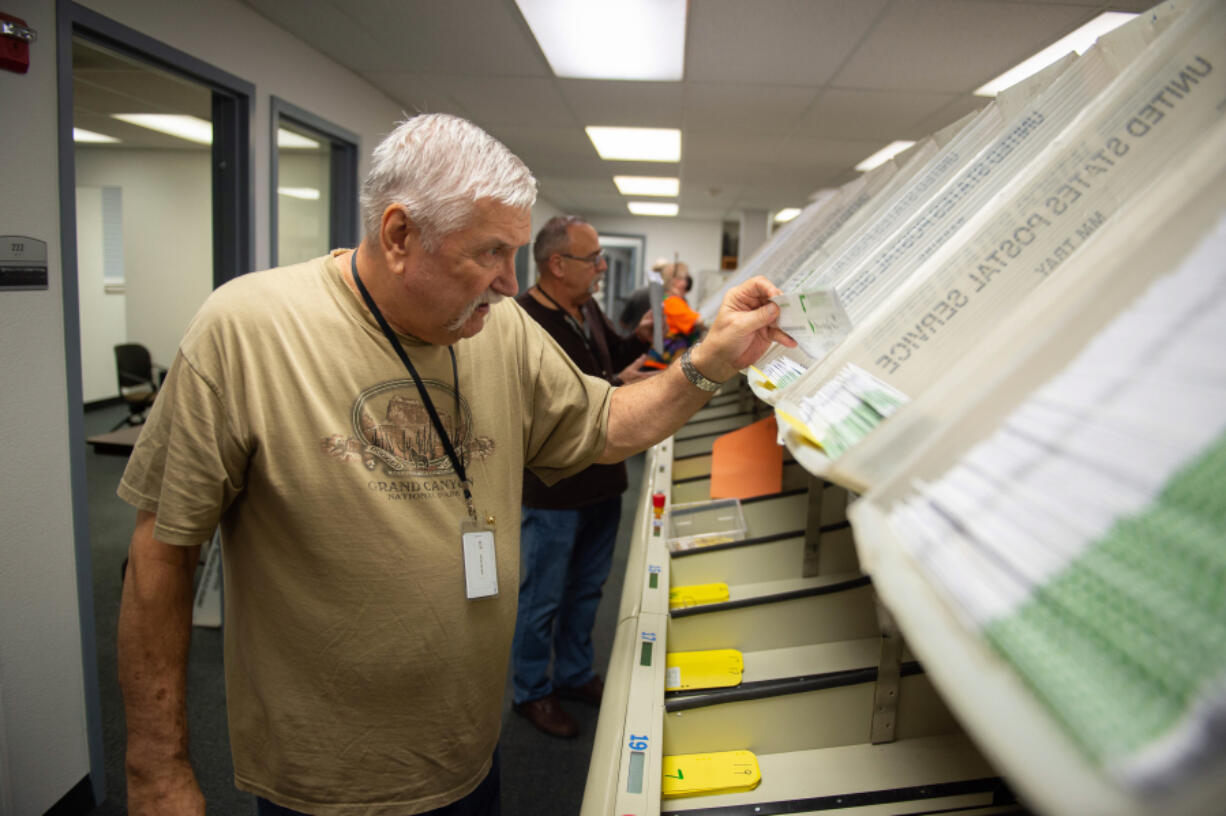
x=683, y=326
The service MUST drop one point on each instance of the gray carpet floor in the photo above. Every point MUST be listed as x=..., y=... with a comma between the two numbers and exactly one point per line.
x=541, y=775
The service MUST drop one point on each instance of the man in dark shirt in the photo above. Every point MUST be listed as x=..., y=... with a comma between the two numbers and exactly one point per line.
x=568, y=530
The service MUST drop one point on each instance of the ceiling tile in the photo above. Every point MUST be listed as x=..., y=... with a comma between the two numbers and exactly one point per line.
x=417, y=93
x=579, y=186
x=717, y=145
x=766, y=109
x=467, y=39
x=511, y=101
x=715, y=195
x=798, y=42
x=641, y=104
x=950, y=113
x=745, y=173
x=129, y=136
x=911, y=47
x=552, y=152
x=1099, y=5
x=780, y=97
x=341, y=33
x=140, y=94
x=415, y=36
x=822, y=155
x=863, y=114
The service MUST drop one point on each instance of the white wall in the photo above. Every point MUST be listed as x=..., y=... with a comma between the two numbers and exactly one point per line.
x=234, y=38
x=542, y=211
x=167, y=244
x=43, y=706
x=755, y=229
x=697, y=243
x=102, y=314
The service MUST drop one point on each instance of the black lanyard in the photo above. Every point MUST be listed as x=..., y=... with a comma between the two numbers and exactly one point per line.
x=584, y=332
x=585, y=336
x=421, y=389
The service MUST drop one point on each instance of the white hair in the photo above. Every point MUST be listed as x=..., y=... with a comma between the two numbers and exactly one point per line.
x=437, y=167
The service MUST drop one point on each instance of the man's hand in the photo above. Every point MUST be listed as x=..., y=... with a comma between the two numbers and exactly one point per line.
x=642, y=414
x=743, y=329
x=632, y=372
x=172, y=791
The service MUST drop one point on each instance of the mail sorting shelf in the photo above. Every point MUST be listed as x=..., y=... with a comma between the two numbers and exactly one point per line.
x=807, y=625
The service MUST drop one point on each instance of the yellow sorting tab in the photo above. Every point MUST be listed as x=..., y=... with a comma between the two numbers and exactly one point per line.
x=713, y=668
x=696, y=595
x=698, y=774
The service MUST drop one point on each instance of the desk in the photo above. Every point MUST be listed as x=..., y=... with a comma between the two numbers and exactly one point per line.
x=118, y=443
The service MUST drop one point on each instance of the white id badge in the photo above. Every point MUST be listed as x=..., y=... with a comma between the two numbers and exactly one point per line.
x=480, y=561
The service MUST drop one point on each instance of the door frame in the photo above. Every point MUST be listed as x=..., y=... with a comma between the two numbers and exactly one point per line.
x=343, y=204
x=637, y=244
x=233, y=255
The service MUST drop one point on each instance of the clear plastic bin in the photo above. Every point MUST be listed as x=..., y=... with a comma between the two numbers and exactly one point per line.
x=702, y=524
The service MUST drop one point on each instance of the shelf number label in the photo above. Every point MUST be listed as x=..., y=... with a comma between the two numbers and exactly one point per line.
x=638, y=743
x=645, y=648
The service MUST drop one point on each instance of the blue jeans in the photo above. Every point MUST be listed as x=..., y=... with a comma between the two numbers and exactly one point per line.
x=566, y=556
x=483, y=801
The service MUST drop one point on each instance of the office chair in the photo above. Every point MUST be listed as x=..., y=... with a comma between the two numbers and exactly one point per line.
x=139, y=380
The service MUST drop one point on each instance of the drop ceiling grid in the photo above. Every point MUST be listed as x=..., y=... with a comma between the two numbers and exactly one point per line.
x=874, y=115
x=795, y=42
x=778, y=95
x=642, y=104
x=912, y=47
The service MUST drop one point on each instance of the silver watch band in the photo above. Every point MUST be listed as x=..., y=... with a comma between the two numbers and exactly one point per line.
x=694, y=375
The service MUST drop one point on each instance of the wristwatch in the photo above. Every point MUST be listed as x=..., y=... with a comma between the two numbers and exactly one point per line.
x=694, y=375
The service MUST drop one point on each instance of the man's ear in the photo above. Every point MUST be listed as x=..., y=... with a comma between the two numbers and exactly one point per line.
x=399, y=237
x=555, y=265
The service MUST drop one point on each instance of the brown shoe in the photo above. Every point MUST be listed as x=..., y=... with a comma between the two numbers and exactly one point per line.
x=549, y=717
x=590, y=692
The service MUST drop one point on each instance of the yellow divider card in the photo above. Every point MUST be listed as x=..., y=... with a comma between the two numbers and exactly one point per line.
x=698, y=774
x=712, y=668
x=697, y=594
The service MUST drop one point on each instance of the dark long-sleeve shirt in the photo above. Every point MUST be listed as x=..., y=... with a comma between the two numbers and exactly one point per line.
x=603, y=355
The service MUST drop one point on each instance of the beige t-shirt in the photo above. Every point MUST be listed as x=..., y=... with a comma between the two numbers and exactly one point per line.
x=359, y=679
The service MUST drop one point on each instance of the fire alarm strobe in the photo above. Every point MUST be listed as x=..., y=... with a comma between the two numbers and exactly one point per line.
x=15, y=39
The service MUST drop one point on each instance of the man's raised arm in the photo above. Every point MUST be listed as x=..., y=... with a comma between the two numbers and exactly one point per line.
x=155, y=629
x=643, y=413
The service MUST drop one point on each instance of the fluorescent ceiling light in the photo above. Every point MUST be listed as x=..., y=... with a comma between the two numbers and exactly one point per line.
x=652, y=208
x=1079, y=41
x=636, y=144
x=191, y=128
x=289, y=139
x=305, y=193
x=83, y=135
x=883, y=155
x=610, y=39
x=786, y=214
x=647, y=185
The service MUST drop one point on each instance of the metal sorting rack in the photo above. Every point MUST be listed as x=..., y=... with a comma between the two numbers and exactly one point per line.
x=856, y=662
x=834, y=706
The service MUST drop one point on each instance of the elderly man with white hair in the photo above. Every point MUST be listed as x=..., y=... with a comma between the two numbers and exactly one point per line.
x=358, y=426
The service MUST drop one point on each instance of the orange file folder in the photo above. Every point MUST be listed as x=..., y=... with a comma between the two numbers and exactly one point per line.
x=747, y=462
